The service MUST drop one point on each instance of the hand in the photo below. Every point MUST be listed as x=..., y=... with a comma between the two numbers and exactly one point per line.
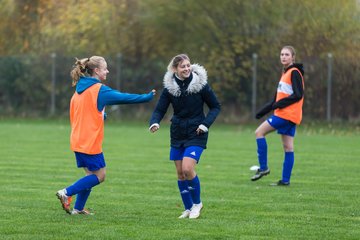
x=153, y=128
x=154, y=92
x=199, y=131
x=258, y=116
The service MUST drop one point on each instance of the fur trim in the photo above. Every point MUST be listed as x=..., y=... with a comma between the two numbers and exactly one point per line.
x=198, y=81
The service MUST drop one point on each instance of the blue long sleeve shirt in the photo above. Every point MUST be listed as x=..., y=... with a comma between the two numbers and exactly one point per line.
x=109, y=96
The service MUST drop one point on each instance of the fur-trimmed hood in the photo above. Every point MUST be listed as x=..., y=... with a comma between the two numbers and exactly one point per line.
x=199, y=80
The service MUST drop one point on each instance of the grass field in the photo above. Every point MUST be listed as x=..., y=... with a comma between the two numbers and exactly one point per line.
x=140, y=200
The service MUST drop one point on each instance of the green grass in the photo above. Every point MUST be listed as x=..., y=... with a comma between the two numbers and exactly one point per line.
x=140, y=199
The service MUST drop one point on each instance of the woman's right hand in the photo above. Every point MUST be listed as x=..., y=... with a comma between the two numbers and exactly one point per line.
x=153, y=128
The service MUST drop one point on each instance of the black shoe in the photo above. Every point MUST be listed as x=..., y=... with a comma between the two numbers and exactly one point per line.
x=259, y=174
x=280, y=183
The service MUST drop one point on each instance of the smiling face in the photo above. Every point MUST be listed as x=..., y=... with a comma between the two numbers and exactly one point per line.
x=183, y=69
x=286, y=57
x=101, y=71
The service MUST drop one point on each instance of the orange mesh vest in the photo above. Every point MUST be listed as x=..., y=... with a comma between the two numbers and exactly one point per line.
x=292, y=112
x=87, y=123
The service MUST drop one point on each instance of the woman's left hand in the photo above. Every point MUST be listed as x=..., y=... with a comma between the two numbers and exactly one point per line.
x=199, y=131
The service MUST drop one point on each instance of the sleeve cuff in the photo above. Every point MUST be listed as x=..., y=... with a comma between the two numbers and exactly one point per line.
x=154, y=124
x=203, y=128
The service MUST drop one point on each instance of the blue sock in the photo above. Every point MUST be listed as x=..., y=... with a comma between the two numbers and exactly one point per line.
x=287, y=166
x=194, y=188
x=185, y=194
x=82, y=184
x=262, y=153
x=81, y=199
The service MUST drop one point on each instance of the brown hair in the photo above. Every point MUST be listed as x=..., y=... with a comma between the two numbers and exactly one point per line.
x=85, y=67
x=175, y=61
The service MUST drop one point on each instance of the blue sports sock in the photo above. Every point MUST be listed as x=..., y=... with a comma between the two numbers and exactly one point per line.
x=194, y=188
x=81, y=199
x=287, y=166
x=185, y=194
x=82, y=184
x=262, y=153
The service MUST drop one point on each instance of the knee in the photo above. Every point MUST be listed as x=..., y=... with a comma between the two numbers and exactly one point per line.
x=288, y=147
x=101, y=178
x=188, y=173
x=181, y=175
x=259, y=134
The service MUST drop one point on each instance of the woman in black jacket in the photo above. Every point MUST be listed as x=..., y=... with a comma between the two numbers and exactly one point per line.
x=186, y=89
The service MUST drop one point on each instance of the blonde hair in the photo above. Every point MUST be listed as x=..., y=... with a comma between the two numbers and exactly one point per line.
x=175, y=61
x=85, y=67
x=292, y=50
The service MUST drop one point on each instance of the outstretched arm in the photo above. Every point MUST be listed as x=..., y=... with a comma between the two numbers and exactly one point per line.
x=109, y=96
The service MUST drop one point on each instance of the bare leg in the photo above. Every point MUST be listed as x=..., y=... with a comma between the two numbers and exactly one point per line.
x=188, y=166
x=263, y=130
x=99, y=173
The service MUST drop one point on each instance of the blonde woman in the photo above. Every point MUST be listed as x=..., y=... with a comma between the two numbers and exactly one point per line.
x=187, y=90
x=87, y=114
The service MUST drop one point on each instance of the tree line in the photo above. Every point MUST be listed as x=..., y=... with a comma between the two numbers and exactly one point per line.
x=221, y=35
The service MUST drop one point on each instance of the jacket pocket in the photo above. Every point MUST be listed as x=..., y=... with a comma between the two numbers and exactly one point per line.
x=192, y=126
x=178, y=129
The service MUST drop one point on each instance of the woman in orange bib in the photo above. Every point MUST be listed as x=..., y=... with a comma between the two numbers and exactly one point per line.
x=287, y=105
x=87, y=114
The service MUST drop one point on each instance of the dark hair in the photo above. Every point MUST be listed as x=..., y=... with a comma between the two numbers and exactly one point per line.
x=175, y=61
x=85, y=67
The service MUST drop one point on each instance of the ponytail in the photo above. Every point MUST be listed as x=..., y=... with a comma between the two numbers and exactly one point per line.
x=79, y=70
x=85, y=68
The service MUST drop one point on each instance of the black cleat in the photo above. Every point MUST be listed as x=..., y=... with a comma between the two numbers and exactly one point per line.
x=259, y=174
x=280, y=183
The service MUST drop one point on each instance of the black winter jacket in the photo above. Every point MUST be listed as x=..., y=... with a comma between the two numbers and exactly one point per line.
x=187, y=98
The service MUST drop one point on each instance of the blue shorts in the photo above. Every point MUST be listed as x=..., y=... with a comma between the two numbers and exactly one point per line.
x=92, y=162
x=283, y=126
x=193, y=152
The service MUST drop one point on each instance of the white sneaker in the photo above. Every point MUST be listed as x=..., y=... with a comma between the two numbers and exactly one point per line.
x=84, y=211
x=185, y=214
x=195, y=210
